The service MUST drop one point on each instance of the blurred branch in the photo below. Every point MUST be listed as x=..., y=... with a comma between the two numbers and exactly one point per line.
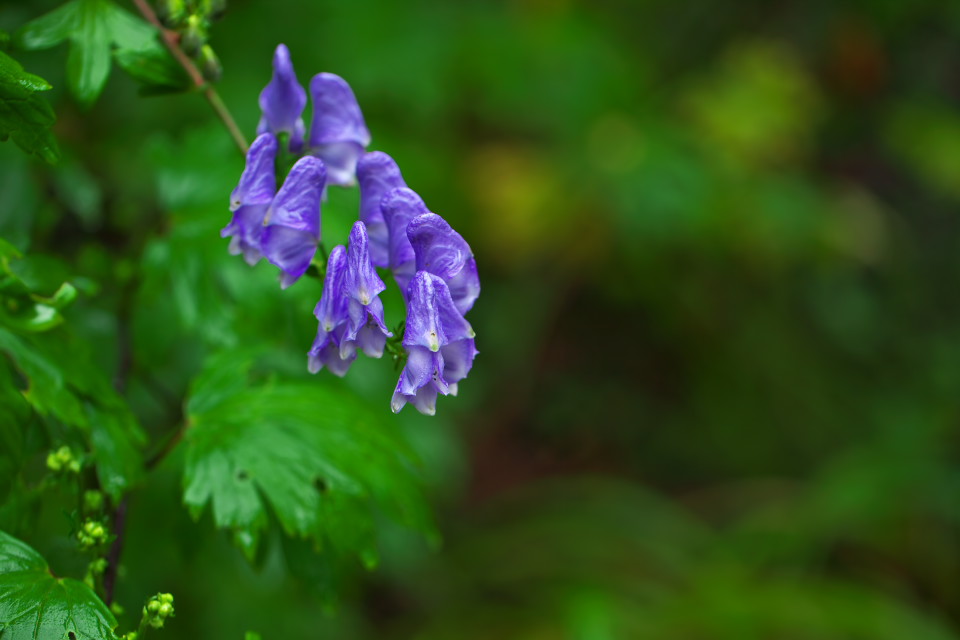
x=172, y=41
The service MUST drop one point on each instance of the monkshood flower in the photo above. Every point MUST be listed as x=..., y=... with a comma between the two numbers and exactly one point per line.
x=377, y=174
x=251, y=199
x=362, y=286
x=439, y=344
x=443, y=252
x=350, y=312
x=338, y=134
x=292, y=222
x=399, y=207
x=332, y=313
x=282, y=101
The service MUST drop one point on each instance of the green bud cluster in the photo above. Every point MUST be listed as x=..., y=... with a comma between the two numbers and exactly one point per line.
x=92, y=534
x=157, y=610
x=63, y=460
x=191, y=19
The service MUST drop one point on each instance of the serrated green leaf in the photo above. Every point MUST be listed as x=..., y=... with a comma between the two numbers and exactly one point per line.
x=36, y=605
x=25, y=117
x=116, y=440
x=94, y=28
x=320, y=460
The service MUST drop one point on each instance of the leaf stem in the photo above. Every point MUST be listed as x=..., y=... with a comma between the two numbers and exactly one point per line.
x=172, y=41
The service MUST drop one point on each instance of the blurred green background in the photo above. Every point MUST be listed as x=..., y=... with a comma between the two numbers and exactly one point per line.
x=719, y=243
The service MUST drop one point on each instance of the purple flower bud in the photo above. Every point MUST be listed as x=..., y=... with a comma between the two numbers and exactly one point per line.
x=331, y=312
x=399, y=207
x=282, y=101
x=442, y=251
x=366, y=328
x=338, y=134
x=292, y=223
x=377, y=174
x=250, y=200
x=435, y=333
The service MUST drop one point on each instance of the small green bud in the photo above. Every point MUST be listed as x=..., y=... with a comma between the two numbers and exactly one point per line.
x=117, y=610
x=194, y=35
x=99, y=532
x=166, y=609
x=153, y=607
x=92, y=501
x=213, y=9
x=165, y=598
x=210, y=64
x=53, y=462
x=98, y=566
x=171, y=12
x=88, y=527
x=64, y=454
x=74, y=466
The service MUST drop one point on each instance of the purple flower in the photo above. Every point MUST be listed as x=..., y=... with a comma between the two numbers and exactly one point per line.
x=362, y=286
x=282, y=101
x=399, y=207
x=331, y=311
x=439, y=344
x=292, y=223
x=338, y=134
x=377, y=174
x=251, y=199
x=350, y=312
x=443, y=252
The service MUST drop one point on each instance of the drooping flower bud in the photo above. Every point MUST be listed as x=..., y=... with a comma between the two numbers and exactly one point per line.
x=292, y=222
x=251, y=199
x=338, y=134
x=332, y=314
x=282, y=101
x=377, y=174
x=362, y=286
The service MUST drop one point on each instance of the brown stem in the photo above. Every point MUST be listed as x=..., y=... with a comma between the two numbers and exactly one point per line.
x=172, y=41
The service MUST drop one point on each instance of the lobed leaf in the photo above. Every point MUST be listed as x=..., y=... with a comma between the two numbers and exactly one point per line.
x=35, y=604
x=320, y=460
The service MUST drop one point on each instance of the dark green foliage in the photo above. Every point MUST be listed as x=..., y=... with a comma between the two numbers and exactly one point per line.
x=98, y=29
x=25, y=116
x=36, y=605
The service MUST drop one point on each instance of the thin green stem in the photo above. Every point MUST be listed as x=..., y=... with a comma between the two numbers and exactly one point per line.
x=172, y=41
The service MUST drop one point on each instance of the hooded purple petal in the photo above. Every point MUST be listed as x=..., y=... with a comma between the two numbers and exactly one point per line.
x=442, y=251
x=331, y=310
x=399, y=207
x=282, y=101
x=292, y=228
x=326, y=352
x=361, y=286
x=251, y=198
x=377, y=174
x=338, y=134
x=420, y=381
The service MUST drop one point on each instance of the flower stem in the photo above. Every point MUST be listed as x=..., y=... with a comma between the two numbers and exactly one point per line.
x=172, y=41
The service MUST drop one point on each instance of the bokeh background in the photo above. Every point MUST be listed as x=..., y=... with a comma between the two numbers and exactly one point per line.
x=718, y=394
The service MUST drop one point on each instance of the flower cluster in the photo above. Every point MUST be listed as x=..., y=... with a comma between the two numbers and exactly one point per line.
x=431, y=263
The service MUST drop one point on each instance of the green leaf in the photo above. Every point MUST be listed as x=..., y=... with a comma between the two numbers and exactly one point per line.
x=319, y=459
x=153, y=67
x=25, y=117
x=94, y=28
x=35, y=604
